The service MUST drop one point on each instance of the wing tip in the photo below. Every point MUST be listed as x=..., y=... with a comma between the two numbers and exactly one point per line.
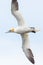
x=31, y=57
x=15, y=5
x=14, y=1
x=32, y=60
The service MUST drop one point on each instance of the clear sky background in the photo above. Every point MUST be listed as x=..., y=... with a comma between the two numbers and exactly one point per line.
x=11, y=44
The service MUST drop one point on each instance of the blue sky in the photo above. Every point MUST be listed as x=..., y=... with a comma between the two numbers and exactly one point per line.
x=11, y=44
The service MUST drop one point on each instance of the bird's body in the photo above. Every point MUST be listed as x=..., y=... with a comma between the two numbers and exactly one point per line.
x=23, y=30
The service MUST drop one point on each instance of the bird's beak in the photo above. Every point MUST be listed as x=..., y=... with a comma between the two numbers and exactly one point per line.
x=11, y=30
x=8, y=31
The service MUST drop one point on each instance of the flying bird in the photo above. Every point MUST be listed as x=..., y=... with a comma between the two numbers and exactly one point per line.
x=23, y=30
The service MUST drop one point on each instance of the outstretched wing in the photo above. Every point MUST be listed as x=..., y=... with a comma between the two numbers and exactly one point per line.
x=26, y=47
x=16, y=13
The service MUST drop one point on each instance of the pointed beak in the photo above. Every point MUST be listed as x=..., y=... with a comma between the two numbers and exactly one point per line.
x=8, y=31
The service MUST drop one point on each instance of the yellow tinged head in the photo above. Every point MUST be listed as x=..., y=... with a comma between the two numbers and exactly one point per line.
x=12, y=30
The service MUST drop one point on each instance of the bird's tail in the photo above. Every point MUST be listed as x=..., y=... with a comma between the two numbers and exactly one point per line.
x=29, y=55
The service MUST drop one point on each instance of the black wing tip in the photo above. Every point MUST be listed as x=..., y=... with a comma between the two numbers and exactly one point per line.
x=16, y=6
x=31, y=60
x=31, y=57
x=13, y=1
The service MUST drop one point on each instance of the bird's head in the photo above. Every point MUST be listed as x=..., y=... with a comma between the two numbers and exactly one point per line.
x=11, y=30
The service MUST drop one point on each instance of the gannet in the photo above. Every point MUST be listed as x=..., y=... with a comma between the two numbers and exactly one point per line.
x=23, y=30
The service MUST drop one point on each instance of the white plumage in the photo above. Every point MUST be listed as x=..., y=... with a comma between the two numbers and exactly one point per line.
x=23, y=30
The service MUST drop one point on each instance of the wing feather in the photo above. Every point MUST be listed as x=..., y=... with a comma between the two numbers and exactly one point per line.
x=25, y=40
x=26, y=47
x=13, y=1
x=29, y=55
x=16, y=13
